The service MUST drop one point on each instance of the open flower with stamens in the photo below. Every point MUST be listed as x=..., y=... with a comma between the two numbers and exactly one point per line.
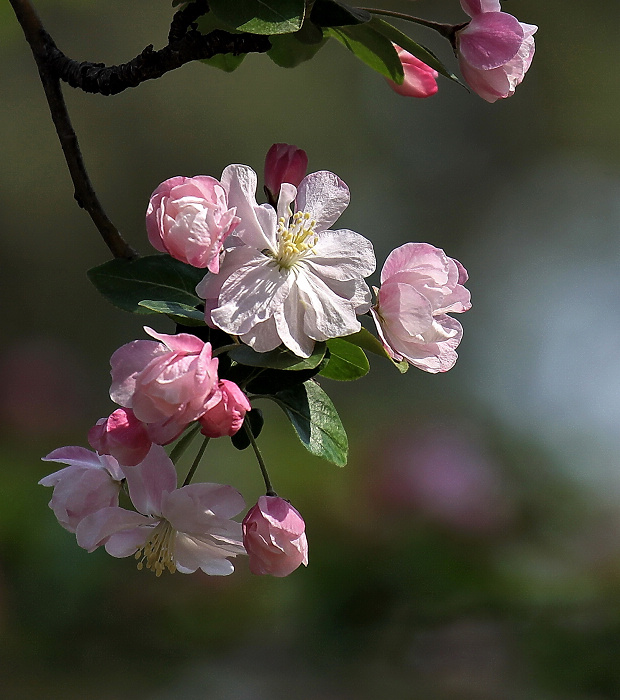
x=176, y=529
x=286, y=277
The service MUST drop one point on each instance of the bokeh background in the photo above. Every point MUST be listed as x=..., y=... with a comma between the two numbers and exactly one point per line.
x=471, y=548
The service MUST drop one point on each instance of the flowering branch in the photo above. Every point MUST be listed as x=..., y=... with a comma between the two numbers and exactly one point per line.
x=261, y=462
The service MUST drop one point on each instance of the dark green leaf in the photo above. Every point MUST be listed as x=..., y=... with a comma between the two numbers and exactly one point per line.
x=261, y=16
x=332, y=13
x=227, y=62
x=125, y=283
x=346, y=361
x=424, y=54
x=254, y=419
x=289, y=50
x=371, y=47
x=179, y=313
x=279, y=358
x=316, y=421
x=366, y=340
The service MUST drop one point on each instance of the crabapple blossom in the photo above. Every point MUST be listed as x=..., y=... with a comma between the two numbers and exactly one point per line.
x=274, y=535
x=167, y=382
x=283, y=163
x=225, y=411
x=176, y=529
x=189, y=218
x=89, y=483
x=420, y=79
x=121, y=435
x=495, y=50
x=288, y=278
x=420, y=284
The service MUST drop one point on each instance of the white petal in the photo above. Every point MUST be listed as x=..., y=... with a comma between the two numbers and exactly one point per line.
x=324, y=196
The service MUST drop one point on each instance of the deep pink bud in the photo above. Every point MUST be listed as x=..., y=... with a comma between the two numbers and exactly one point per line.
x=121, y=435
x=284, y=163
x=226, y=410
x=420, y=79
x=274, y=537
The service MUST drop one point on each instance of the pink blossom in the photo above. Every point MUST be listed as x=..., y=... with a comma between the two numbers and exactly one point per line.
x=495, y=50
x=289, y=278
x=166, y=383
x=420, y=79
x=284, y=163
x=121, y=435
x=176, y=529
x=90, y=482
x=274, y=537
x=226, y=410
x=189, y=218
x=420, y=284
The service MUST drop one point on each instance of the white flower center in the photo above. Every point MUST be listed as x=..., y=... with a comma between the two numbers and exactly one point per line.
x=296, y=239
x=158, y=550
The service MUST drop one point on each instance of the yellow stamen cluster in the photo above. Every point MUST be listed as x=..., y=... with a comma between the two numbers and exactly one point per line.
x=158, y=550
x=296, y=239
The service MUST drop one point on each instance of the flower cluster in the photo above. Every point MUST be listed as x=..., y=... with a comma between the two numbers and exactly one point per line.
x=281, y=286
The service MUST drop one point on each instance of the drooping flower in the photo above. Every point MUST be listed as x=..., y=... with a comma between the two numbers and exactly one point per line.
x=166, y=382
x=287, y=278
x=226, y=410
x=283, y=163
x=181, y=529
x=495, y=50
x=420, y=79
x=90, y=482
x=420, y=284
x=189, y=218
x=274, y=535
x=121, y=435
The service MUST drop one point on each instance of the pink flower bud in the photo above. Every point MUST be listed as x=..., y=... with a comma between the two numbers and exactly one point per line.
x=284, y=163
x=226, y=410
x=274, y=537
x=189, y=218
x=420, y=79
x=121, y=435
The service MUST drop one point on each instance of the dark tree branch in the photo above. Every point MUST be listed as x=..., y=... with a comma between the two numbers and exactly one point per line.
x=83, y=189
x=184, y=19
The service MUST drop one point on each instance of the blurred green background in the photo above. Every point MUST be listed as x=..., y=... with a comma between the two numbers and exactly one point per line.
x=471, y=548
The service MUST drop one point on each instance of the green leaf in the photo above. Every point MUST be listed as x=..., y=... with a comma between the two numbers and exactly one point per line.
x=371, y=47
x=280, y=358
x=227, y=62
x=125, y=283
x=424, y=54
x=366, y=340
x=261, y=16
x=346, y=361
x=180, y=313
x=332, y=13
x=316, y=421
x=289, y=50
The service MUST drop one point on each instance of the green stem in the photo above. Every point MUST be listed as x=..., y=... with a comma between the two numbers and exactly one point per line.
x=261, y=461
x=196, y=462
x=225, y=348
x=183, y=443
x=447, y=30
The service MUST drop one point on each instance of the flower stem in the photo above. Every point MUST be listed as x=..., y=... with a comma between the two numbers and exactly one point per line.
x=196, y=462
x=447, y=30
x=183, y=443
x=225, y=348
x=261, y=461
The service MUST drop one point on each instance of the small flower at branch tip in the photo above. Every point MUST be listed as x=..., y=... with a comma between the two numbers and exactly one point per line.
x=283, y=163
x=420, y=79
x=175, y=529
x=189, y=218
x=90, y=482
x=274, y=535
x=494, y=49
x=121, y=435
x=226, y=410
x=420, y=285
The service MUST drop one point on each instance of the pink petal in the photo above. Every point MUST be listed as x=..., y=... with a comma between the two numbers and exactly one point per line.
x=182, y=343
x=475, y=7
x=75, y=456
x=150, y=480
x=490, y=40
x=97, y=527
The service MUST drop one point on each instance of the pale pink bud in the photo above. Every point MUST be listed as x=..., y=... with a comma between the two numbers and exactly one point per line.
x=420, y=285
x=166, y=383
x=274, y=537
x=189, y=218
x=284, y=163
x=121, y=435
x=420, y=79
x=226, y=410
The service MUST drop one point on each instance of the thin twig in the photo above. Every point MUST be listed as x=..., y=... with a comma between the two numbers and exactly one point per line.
x=84, y=192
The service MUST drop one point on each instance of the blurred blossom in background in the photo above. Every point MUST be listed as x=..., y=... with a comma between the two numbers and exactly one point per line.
x=470, y=549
